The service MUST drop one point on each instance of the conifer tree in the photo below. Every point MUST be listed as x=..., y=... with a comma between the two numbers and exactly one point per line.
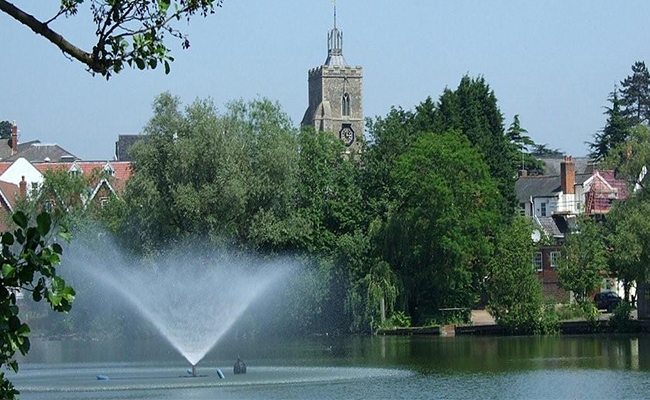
x=635, y=94
x=615, y=132
x=521, y=143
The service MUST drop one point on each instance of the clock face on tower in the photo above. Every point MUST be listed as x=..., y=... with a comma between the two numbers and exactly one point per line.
x=347, y=135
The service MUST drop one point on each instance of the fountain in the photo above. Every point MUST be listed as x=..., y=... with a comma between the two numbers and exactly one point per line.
x=192, y=297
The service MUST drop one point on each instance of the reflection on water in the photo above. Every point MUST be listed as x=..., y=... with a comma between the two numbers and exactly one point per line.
x=523, y=367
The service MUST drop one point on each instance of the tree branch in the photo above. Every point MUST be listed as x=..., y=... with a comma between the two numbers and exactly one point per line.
x=43, y=30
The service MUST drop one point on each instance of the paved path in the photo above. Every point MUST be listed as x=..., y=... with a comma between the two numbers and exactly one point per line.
x=482, y=317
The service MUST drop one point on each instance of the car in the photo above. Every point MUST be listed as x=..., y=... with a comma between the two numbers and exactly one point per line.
x=606, y=301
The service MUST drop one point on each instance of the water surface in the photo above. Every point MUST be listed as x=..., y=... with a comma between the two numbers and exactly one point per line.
x=562, y=367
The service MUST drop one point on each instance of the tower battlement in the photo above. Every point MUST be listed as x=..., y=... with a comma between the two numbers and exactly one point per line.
x=335, y=70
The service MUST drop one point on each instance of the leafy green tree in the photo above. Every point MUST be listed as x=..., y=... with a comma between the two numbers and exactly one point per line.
x=631, y=160
x=583, y=261
x=472, y=110
x=635, y=94
x=614, y=133
x=129, y=33
x=521, y=143
x=627, y=238
x=437, y=235
x=543, y=150
x=229, y=177
x=513, y=290
x=5, y=129
x=28, y=267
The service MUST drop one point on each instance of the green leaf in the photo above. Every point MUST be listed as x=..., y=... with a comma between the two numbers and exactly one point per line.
x=8, y=271
x=167, y=68
x=20, y=219
x=164, y=5
x=65, y=235
x=57, y=248
x=23, y=330
x=140, y=63
x=43, y=222
x=7, y=238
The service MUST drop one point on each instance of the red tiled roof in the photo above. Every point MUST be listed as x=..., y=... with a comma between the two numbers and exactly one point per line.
x=10, y=192
x=122, y=170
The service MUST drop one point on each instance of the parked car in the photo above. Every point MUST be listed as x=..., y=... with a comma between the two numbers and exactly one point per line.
x=607, y=301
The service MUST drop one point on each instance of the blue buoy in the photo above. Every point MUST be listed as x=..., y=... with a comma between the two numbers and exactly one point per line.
x=102, y=378
x=220, y=373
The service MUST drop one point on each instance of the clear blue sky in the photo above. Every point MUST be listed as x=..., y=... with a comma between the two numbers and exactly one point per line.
x=552, y=62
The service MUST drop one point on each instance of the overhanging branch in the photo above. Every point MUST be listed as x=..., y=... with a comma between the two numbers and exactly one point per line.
x=42, y=29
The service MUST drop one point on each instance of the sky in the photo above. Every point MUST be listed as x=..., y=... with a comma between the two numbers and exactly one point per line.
x=553, y=62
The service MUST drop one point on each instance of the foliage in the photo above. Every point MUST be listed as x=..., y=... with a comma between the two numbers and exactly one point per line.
x=614, y=133
x=397, y=320
x=437, y=235
x=571, y=311
x=472, y=110
x=627, y=238
x=513, y=290
x=583, y=262
x=635, y=94
x=5, y=129
x=521, y=144
x=543, y=150
x=129, y=33
x=631, y=160
x=621, y=321
x=28, y=267
x=590, y=313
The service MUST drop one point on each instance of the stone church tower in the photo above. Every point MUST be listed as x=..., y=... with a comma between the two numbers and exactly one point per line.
x=336, y=94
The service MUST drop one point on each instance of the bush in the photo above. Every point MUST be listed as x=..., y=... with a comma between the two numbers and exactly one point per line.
x=398, y=320
x=567, y=312
x=591, y=314
x=621, y=320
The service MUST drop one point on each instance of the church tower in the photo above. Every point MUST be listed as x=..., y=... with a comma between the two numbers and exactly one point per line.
x=336, y=94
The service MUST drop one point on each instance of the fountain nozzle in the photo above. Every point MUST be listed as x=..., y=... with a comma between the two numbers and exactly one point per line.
x=194, y=370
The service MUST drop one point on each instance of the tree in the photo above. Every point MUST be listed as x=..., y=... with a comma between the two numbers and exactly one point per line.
x=28, y=267
x=5, y=129
x=631, y=159
x=129, y=33
x=472, y=110
x=437, y=235
x=614, y=133
x=521, y=144
x=514, y=292
x=635, y=94
x=543, y=150
x=627, y=238
x=583, y=262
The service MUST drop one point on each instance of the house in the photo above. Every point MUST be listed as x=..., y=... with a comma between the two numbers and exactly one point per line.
x=32, y=151
x=108, y=178
x=555, y=201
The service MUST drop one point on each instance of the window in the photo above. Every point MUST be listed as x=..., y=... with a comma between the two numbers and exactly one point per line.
x=555, y=257
x=537, y=262
x=109, y=170
x=522, y=208
x=543, y=209
x=345, y=105
x=103, y=202
x=49, y=206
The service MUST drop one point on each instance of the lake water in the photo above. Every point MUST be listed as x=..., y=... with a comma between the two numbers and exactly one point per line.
x=561, y=367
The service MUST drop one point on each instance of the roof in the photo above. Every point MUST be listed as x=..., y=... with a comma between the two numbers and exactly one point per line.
x=5, y=147
x=39, y=152
x=542, y=186
x=122, y=169
x=9, y=193
x=123, y=145
x=537, y=186
x=552, y=165
x=549, y=225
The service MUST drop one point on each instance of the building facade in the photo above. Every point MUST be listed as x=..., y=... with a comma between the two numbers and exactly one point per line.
x=336, y=95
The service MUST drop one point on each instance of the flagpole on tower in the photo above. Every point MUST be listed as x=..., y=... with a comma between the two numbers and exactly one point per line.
x=334, y=3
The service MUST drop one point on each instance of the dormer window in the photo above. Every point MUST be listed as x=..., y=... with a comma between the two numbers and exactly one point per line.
x=75, y=170
x=345, y=105
x=108, y=168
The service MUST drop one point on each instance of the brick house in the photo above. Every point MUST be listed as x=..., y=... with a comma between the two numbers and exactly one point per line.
x=554, y=202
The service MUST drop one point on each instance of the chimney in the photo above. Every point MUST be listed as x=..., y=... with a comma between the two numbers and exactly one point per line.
x=568, y=175
x=23, y=188
x=523, y=173
x=14, y=139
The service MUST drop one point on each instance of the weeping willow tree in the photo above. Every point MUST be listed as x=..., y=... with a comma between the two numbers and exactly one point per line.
x=374, y=296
